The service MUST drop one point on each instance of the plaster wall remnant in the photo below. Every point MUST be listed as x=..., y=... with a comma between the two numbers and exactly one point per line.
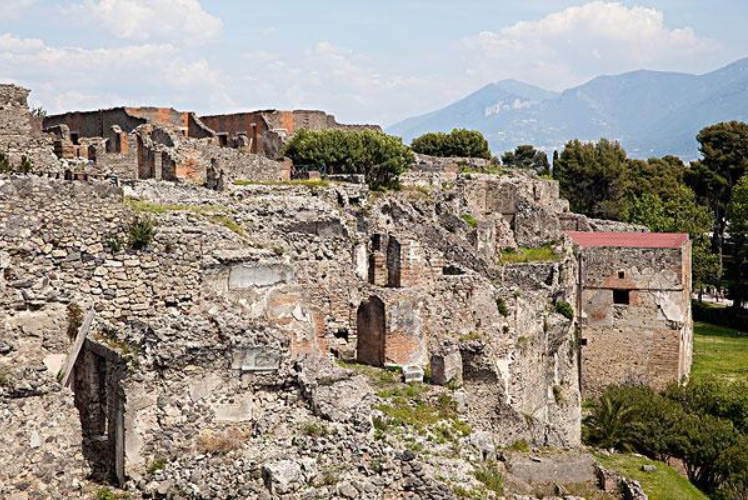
x=636, y=308
x=243, y=276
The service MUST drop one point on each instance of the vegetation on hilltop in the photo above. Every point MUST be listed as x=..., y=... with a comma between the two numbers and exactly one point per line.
x=457, y=143
x=527, y=157
x=380, y=157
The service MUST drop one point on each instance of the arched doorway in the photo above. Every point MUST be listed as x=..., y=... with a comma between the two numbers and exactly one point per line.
x=371, y=326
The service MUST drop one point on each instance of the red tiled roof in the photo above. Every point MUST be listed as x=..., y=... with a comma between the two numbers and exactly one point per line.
x=632, y=240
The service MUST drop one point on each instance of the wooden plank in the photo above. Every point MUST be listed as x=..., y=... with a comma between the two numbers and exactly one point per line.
x=80, y=339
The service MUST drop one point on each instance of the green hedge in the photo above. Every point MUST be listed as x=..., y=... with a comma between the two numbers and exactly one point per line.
x=720, y=316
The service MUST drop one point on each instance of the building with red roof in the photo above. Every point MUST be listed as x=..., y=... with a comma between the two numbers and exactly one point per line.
x=634, y=308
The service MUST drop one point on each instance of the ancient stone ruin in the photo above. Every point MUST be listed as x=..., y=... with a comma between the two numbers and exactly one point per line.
x=635, y=306
x=258, y=345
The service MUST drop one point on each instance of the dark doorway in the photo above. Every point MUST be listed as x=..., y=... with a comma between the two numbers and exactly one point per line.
x=100, y=401
x=371, y=325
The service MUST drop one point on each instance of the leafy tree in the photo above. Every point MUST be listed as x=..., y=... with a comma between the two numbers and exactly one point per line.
x=681, y=214
x=658, y=176
x=737, y=218
x=704, y=439
x=724, y=148
x=380, y=157
x=527, y=157
x=459, y=143
x=593, y=177
x=734, y=463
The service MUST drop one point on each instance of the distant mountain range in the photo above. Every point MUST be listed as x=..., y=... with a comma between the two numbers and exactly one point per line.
x=652, y=113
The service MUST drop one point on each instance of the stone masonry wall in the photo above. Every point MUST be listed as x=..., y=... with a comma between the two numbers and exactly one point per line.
x=19, y=136
x=648, y=340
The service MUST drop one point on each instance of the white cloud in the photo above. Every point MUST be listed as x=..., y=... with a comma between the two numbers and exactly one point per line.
x=12, y=9
x=570, y=46
x=154, y=20
x=69, y=78
x=337, y=80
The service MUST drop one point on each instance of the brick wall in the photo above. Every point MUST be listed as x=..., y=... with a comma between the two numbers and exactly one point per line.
x=646, y=340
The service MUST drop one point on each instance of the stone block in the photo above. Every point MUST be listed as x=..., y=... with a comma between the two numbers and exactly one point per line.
x=283, y=476
x=256, y=359
x=446, y=368
x=412, y=374
x=244, y=276
x=239, y=410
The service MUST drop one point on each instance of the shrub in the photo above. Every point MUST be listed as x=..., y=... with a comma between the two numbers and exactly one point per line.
x=141, y=233
x=611, y=424
x=114, y=243
x=381, y=158
x=520, y=445
x=502, y=307
x=26, y=165
x=157, y=465
x=474, y=335
x=558, y=394
x=677, y=423
x=5, y=167
x=470, y=220
x=313, y=429
x=488, y=474
x=459, y=142
x=221, y=443
x=75, y=319
x=565, y=309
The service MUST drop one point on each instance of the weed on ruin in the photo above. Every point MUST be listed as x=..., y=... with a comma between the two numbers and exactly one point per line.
x=525, y=255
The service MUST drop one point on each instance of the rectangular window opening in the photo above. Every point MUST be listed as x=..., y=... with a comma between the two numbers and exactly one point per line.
x=621, y=297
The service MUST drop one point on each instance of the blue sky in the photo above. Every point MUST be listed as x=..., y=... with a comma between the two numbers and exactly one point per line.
x=376, y=61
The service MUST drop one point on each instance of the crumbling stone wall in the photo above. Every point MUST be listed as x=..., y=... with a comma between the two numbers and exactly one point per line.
x=216, y=320
x=636, y=323
x=264, y=132
x=19, y=132
x=97, y=376
x=102, y=123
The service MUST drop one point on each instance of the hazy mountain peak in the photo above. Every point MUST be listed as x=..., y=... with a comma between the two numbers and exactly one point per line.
x=651, y=112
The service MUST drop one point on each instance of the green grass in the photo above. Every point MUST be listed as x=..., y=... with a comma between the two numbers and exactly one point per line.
x=720, y=352
x=522, y=255
x=470, y=220
x=298, y=182
x=228, y=223
x=214, y=213
x=148, y=207
x=474, y=335
x=663, y=484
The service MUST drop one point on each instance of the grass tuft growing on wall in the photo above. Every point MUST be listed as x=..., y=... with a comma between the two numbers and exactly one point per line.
x=297, y=182
x=523, y=255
